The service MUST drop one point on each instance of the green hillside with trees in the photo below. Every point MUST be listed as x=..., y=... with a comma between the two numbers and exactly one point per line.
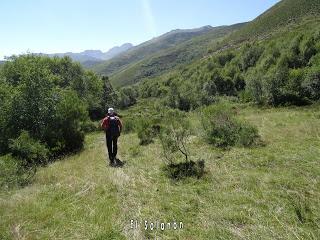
x=143, y=50
x=282, y=70
x=286, y=13
x=161, y=54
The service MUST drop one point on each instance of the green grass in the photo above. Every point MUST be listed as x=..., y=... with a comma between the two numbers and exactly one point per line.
x=71, y=199
x=269, y=192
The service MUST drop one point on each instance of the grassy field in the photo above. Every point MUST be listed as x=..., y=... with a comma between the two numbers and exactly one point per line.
x=266, y=192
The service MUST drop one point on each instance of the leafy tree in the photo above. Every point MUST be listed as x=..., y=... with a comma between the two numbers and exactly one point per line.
x=45, y=103
x=311, y=84
x=251, y=55
x=127, y=97
x=255, y=88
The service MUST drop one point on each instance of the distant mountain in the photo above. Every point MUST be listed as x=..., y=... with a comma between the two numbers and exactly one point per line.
x=154, y=57
x=91, y=57
x=116, y=51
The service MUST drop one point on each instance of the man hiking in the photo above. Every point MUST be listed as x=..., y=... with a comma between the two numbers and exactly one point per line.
x=112, y=126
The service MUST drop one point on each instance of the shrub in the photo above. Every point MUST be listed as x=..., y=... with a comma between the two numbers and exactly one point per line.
x=311, y=85
x=224, y=58
x=251, y=55
x=13, y=173
x=174, y=136
x=178, y=171
x=145, y=131
x=223, y=129
x=20, y=166
x=219, y=125
x=129, y=125
x=44, y=105
x=65, y=133
x=89, y=126
x=127, y=97
x=255, y=89
x=29, y=151
x=9, y=171
x=247, y=135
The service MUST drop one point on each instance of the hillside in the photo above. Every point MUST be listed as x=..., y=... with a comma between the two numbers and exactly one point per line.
x=172, y=48
x=281, y=18
x=145, y=49
x=281, y=68
x=284, y=14
x=269, y=192
x=168, y=59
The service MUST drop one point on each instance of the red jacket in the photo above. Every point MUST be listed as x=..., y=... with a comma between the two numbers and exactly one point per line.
x=105, y=123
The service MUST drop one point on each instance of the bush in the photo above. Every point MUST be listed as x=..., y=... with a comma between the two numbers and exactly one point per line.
x=65, y=133
x=178, y=171
x=13, y=173
x=255, y=89
x=129, y=125
x=223, y=129
x=51, y=98
x=29, y=151
x=250, y=56
x=219, y=125
x=9, y=171
x=311, y=85
x=174, y=136
x=247, y=135
x=44, y=106
x=127, y=97
x=89, y=126
x=145, y=130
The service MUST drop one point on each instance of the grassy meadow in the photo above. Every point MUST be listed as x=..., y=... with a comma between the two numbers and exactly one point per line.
x=270, y=191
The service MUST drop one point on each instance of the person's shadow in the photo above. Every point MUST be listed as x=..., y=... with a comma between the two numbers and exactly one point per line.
x=118, y=163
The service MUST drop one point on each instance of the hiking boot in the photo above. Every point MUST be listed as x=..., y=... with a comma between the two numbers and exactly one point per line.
x=111, y=163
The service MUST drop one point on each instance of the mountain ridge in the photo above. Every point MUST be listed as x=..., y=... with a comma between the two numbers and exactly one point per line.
x=88, y=57
x=160, y=54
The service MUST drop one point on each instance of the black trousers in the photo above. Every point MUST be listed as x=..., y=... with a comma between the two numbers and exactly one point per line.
x=112, y=145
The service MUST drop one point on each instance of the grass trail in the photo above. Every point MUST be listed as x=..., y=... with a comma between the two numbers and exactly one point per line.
x=71, y=199
x=269, y=192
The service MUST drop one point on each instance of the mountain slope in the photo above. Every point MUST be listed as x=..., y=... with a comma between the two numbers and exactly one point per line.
x=275, y=67
x=281, y=17
x=161, y=54
x=116, y=51
x=147, y=48
x=284, y=13
x=176, y=56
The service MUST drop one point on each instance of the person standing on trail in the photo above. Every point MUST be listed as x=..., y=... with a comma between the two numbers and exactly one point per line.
x=112, y=126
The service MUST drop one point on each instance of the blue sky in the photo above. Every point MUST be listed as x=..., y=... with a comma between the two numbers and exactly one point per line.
x=53, y=26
